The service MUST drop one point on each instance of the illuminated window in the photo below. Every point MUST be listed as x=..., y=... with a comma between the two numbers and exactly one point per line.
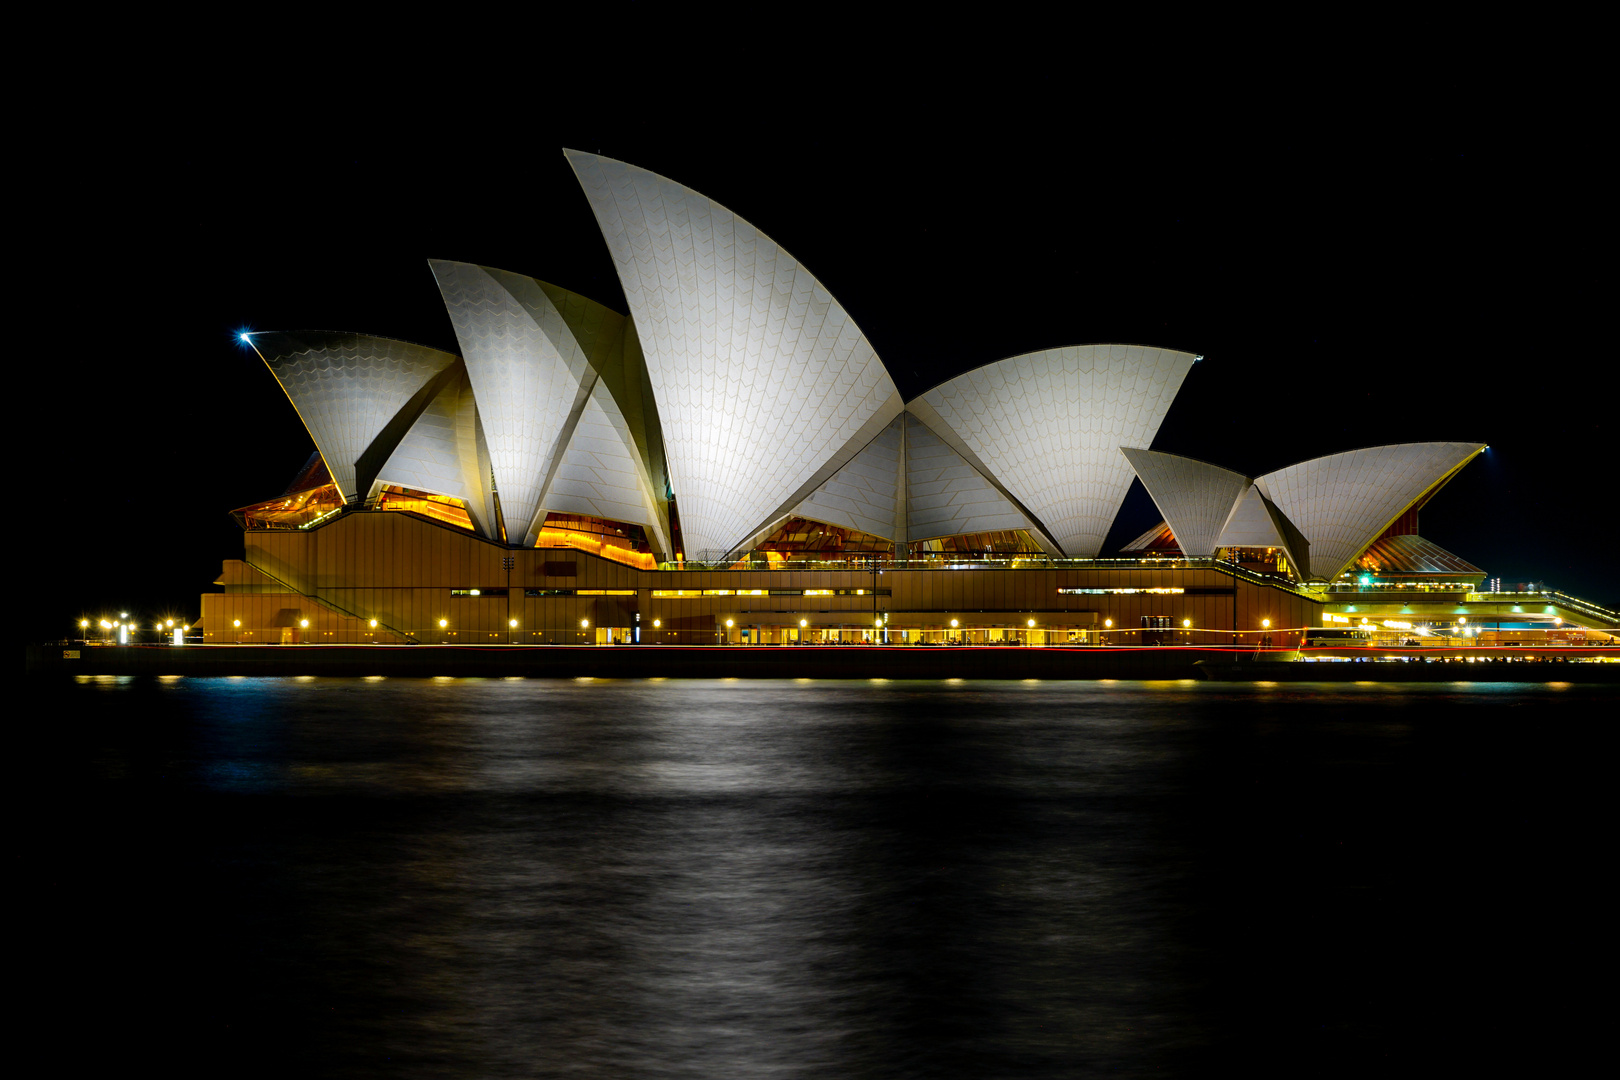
x=297, y=510
x=667, y=594
x=1121, y=592
x=614, y=540
x=440, y=508
x=486, y=593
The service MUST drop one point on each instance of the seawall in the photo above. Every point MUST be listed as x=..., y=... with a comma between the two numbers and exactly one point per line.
x=774, y=662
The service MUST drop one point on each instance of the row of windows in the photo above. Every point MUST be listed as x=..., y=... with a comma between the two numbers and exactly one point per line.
x=1114, y=592
x=684, y=593
x=534, y=593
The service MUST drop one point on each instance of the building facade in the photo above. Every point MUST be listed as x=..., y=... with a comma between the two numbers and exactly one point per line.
x=731, y=462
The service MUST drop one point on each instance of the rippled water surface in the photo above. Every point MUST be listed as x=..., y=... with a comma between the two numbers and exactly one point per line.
x=461, y=877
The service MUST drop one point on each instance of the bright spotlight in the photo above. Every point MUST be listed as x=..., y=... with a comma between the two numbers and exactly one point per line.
x=512, y=623
x=1266, y=623
x=803, y=623
x=374, y=624
x=443, y=623
x=729, y=624
x=953, y=624
x=583, y=623
x=1186, y=623
x=303, y=622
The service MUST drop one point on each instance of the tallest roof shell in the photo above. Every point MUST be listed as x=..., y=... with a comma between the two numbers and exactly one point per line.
x=764, y=384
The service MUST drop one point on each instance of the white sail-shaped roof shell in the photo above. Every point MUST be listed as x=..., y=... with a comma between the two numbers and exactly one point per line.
x=444, y=453
x=946, y=495
x=600, y=473
x=765, y=386
x=530, y=375
x=347, y=388
x=1047, y=428
x=1195, y=497
x=865, y=493
x=1343, y=502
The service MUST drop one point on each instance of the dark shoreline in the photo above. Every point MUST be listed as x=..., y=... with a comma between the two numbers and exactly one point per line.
x=777, y=662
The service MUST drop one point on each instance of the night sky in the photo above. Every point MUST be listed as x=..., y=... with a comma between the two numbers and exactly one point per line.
x=1353, y=277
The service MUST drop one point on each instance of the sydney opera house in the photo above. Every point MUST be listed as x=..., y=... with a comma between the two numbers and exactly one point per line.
x=731, y=462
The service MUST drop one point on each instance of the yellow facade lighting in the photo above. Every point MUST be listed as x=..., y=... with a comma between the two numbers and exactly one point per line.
x=953, y=624
x=303, y=622
x=374, y=624
x=237, y=623
x=512, y=623
x=584, y=623
x=443, y=623
x=1265, y=624
x=1186, y=623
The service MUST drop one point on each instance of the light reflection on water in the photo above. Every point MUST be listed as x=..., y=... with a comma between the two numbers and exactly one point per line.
x=740, y=878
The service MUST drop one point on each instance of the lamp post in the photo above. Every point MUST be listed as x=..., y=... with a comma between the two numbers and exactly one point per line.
x=507, y=562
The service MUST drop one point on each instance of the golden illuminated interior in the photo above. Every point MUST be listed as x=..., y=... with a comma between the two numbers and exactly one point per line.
x=613, y=540
x=438, y=507
x=294, y=510
x=1262, y=560
x=1001, y=542
x=801, y=538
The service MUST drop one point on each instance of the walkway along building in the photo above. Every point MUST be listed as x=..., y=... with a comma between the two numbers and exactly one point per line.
x=732, y=462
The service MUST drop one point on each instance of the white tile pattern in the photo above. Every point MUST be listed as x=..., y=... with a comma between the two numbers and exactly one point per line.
x=1343, y=502
x=601, y=475
x=760, y=376
x=862, y=495
x=1048, y=425
x=1249, y=524
x=529, y=374
x=948, y=496
x=347, y=387
x=1194, y=496
x=431, y=455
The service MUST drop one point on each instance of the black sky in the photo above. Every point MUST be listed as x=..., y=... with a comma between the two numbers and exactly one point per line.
x=1355, y=273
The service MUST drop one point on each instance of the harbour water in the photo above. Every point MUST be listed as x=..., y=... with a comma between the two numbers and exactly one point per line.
x=724, y=878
